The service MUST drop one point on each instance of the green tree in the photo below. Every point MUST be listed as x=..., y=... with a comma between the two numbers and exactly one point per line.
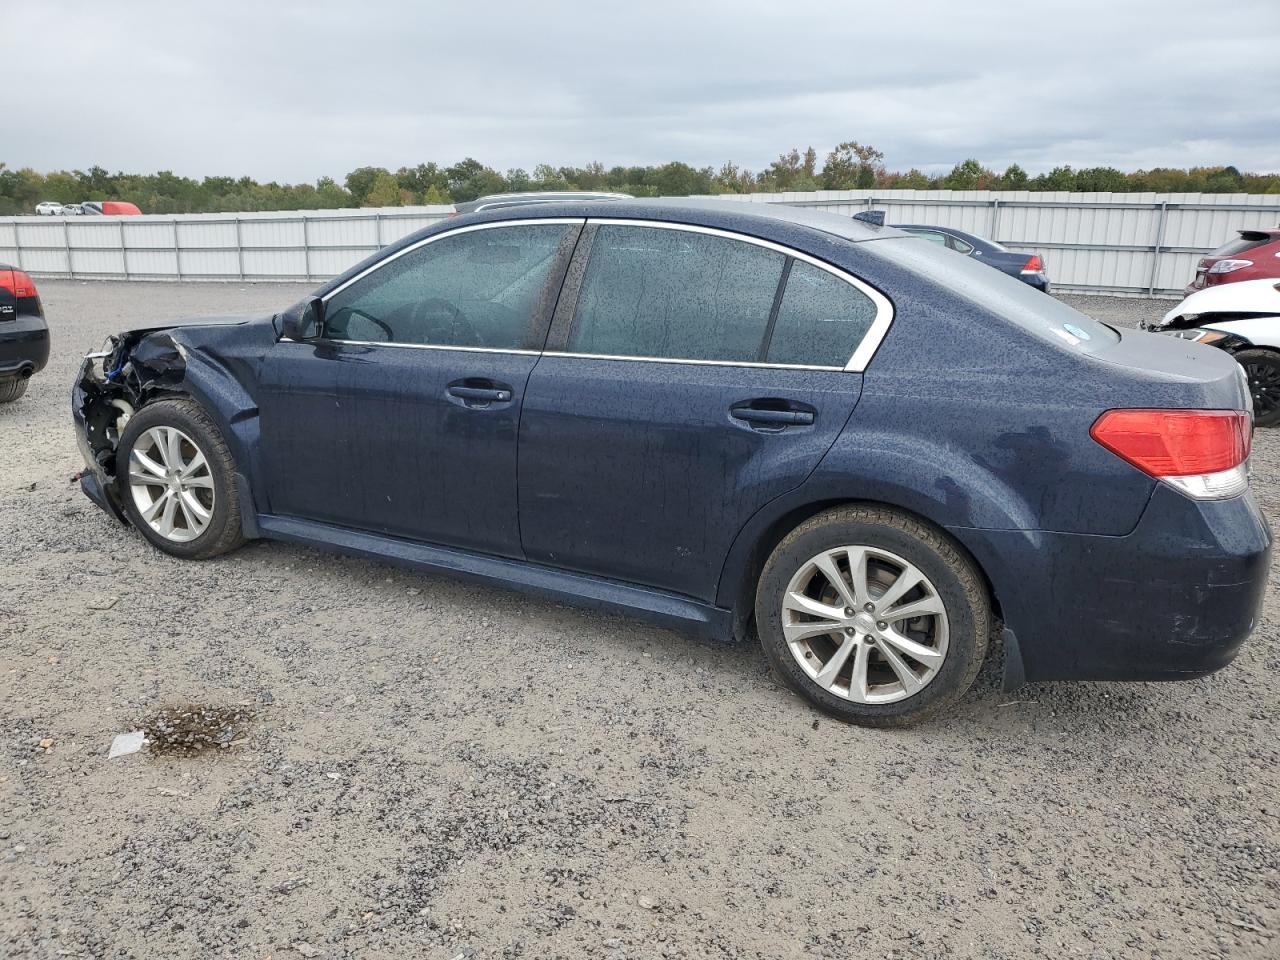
x=385, y=192
x=964, y=175
x=360, y=182
x=1014, y=178
x=850, y=165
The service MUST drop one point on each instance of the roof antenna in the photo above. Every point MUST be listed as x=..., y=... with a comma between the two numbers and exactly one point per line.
x=873, y=217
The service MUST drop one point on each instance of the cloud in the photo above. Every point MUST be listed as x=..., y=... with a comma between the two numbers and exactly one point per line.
x=293, y=90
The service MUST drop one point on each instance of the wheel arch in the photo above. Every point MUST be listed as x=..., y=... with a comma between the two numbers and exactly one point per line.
x=755, y=543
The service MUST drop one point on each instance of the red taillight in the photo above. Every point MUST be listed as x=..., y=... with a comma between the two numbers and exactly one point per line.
x=17, y=283
x=1034, y=264
x=1176, y=443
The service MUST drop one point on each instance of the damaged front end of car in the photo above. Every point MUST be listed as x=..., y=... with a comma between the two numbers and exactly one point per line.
x=131, y=370
x=211, y=361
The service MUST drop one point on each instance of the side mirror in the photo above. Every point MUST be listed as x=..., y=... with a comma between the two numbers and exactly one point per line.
x=303, y=321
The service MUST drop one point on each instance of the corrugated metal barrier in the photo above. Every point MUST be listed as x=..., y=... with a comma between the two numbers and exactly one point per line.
x=1126, y=244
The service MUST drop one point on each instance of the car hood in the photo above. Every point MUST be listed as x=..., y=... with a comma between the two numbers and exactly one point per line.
x=1252, y=298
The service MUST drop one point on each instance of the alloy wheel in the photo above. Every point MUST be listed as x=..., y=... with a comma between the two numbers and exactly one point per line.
x=1264, y=385
x=171, y=484
x=865, y=624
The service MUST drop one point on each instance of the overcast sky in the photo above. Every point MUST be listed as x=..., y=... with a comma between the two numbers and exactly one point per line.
x=291, y=90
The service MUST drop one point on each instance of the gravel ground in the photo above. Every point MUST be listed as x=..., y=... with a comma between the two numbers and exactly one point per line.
x=427, y=769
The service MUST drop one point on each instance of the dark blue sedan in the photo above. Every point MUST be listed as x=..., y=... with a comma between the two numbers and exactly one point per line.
x=1027, y=267
x=740, y=420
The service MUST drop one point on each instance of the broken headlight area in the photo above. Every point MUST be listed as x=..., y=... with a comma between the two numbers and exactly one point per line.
x=130, y=370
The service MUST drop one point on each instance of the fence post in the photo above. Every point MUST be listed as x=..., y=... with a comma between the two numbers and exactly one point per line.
x=17, y=242
x=306, y=246
x=66, y=239
x=993, y=221
x=239, y=248
x=377, y=229
x=124, y=251
x=1155, y=252
x=177, y=249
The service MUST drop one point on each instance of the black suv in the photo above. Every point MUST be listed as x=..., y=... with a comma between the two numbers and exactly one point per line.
x=24, y=335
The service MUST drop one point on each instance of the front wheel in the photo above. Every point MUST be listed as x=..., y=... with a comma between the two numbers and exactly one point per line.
x=1262, y=368
x=177, y=481
x=873, y=616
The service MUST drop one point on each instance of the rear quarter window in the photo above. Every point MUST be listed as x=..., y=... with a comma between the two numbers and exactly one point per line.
x=1241, y=244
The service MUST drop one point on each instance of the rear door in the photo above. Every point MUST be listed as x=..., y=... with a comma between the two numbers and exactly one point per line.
x=691, y=376
x=402, y=418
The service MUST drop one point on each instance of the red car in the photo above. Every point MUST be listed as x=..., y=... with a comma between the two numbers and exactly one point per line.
x=1254, y=255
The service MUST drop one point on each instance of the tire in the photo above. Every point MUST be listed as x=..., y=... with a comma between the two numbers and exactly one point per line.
x=11, y=390
x=202, y=510
x=952, y=643
x=1262, y=367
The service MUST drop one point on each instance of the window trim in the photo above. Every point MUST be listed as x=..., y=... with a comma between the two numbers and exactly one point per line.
x=857, y=363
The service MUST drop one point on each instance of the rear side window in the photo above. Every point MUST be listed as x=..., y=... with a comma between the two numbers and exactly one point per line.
x=821, y=320
x=1248, y=241
x=474, y=289
x=675, y=294
x=961, y=246
x=931, y=235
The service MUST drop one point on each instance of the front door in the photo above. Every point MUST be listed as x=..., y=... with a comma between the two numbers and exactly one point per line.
x=402, y=418
x=694, y=377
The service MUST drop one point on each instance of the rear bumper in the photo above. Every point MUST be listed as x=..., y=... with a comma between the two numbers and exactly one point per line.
x=24, y=346
x=1173, y=600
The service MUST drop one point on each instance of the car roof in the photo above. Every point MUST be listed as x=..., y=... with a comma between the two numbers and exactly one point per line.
x=708, y=211
x=534, y=196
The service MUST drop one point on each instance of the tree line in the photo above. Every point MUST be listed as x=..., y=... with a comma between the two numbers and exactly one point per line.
x=849, y=166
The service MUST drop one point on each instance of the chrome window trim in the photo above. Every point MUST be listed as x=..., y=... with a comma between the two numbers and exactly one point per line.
x=440, y=236
x=857, y=363
x=705, y=363
x=423, y=346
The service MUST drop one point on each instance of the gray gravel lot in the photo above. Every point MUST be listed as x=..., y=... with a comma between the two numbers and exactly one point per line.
x=440, y=770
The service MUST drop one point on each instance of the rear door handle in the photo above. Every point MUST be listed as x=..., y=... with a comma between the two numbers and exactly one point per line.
x=774, y=418
x=483, y=394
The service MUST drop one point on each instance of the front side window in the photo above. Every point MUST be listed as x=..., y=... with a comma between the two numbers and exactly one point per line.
x=675, y=294
x=480, y=288
x=822, y=319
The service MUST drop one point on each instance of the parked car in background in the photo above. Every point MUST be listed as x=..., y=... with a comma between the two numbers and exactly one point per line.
x=24, y=334
x=110, y=208
x=1027, y=267
x=1244, y=320
x=48, y=208
x=71, y=210
x=498, y=200
x=1254, y=255
x=737, y=418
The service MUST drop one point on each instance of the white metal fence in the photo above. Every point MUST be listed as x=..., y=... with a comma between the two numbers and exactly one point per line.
x=1127, y=244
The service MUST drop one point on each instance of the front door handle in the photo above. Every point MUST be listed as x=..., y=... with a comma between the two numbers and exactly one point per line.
x=484, y=394
x=477, y=393
x=773, y=418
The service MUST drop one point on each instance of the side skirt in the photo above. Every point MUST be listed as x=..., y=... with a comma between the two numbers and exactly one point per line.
x=654, y=606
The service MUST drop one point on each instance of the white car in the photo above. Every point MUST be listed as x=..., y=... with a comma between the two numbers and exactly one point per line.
x=72, y=210
x=48, y=208
x=1243, y=319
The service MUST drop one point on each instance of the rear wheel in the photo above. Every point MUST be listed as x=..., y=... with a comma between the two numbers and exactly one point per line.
x=11, y=390
x=873, y=616
x=1262, y=367
x=178, y=481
